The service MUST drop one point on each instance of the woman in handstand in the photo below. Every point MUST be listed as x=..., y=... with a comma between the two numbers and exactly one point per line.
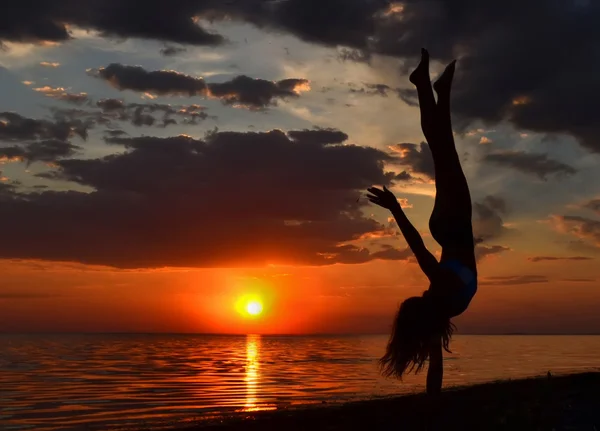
x=422, y=325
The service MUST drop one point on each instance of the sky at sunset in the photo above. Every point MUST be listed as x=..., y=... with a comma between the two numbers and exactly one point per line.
x=161, y=160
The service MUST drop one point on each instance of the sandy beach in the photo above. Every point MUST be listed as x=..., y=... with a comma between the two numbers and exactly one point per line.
x=570, y=402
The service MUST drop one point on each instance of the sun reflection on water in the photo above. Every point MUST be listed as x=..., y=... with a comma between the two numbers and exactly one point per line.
x=253, y=343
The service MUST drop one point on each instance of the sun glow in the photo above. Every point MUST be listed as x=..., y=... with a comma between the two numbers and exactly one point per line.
x=249, y=305
x=254, y=308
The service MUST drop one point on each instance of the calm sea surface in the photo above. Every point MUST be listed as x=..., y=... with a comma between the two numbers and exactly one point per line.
x=101, y=381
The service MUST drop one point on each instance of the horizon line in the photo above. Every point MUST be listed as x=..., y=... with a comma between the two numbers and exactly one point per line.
x=313, y=334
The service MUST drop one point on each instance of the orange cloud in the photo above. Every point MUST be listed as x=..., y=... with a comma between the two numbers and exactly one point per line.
x=61, y=94
x=394, y=9
x=521, y=100
x=580, y=227
x=556, y=258
x=6, y=159
x=49, y=90
x=301, y=87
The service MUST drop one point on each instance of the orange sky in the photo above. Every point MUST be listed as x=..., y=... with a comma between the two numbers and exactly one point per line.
x=340, y=298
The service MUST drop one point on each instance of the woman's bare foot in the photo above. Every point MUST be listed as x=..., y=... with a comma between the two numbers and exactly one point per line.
x=421, y=74
x=444, y=82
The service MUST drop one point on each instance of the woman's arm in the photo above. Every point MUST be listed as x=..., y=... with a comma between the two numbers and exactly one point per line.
x=435, y=372
x=386, y=199
x=426, y=260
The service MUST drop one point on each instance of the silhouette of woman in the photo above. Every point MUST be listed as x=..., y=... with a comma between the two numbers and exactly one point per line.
x=422, y=326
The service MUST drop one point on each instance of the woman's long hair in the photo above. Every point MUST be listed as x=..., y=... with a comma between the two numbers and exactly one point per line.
x=409, y=344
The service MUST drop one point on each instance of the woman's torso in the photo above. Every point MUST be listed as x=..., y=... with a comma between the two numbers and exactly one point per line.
x=457, y=283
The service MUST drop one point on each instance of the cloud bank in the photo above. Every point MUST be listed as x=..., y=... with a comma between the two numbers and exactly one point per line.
x=230, y=199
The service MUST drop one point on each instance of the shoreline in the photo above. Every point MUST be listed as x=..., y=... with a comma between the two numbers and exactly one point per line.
x=570, y=401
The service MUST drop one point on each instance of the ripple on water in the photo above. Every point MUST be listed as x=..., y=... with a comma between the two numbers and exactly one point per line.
x=111, y=381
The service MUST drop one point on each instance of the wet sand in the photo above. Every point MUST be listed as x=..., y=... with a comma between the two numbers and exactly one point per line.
x=569, y=402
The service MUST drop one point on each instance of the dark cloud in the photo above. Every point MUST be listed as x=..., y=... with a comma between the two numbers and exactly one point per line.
x=580, y=280
x=483, y=251
x=14, y=127
x=142, y=113
x=7, y=192
x=170, y=51
x=347, y=23
x=333, y=22
x=256, y=93
x=536, y=164
x=240, y=91
x=21, y=295
x=514, y=64
x=42, y=151
x=555, y=258
x=26, y=296
x=495, y=203
x=41, y=21
x=583, y=228
x=140, y=118
x=355, y=55
x=32, y=22
x=73, y=98
x=192, y=114
x=86, y=118
x=513, y=280
x=31, y=140
x=349, y=254
x=580, y=246
x=379, y=89
x=390, y=253
x=507, y=76
x=138, y=114
x=115, y=133
x=373, y=90
x=417, y=157
x=109, y=105
x=404, y=176
x=507, y=48
x=319, y=136
x=488, y=222
x=50, y=150
x=408, y=96
x=229, y=199
x=593, y=205
x=155, y=20
x=11, y=153
x=160, y=82
x=350, y=23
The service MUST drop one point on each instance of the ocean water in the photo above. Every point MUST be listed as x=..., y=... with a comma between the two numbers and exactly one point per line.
x=129, y=381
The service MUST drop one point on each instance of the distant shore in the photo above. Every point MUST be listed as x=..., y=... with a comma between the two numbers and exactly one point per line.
x=570, y=402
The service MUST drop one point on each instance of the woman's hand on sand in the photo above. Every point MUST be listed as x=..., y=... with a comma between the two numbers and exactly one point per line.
x=384, y=198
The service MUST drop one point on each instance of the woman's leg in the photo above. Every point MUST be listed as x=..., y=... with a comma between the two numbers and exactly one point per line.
x=451, y=184
x=420, y=78
x=450, y=222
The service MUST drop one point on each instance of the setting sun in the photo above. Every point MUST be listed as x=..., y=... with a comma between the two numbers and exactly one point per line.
x=249, y=305
x=254, y=308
